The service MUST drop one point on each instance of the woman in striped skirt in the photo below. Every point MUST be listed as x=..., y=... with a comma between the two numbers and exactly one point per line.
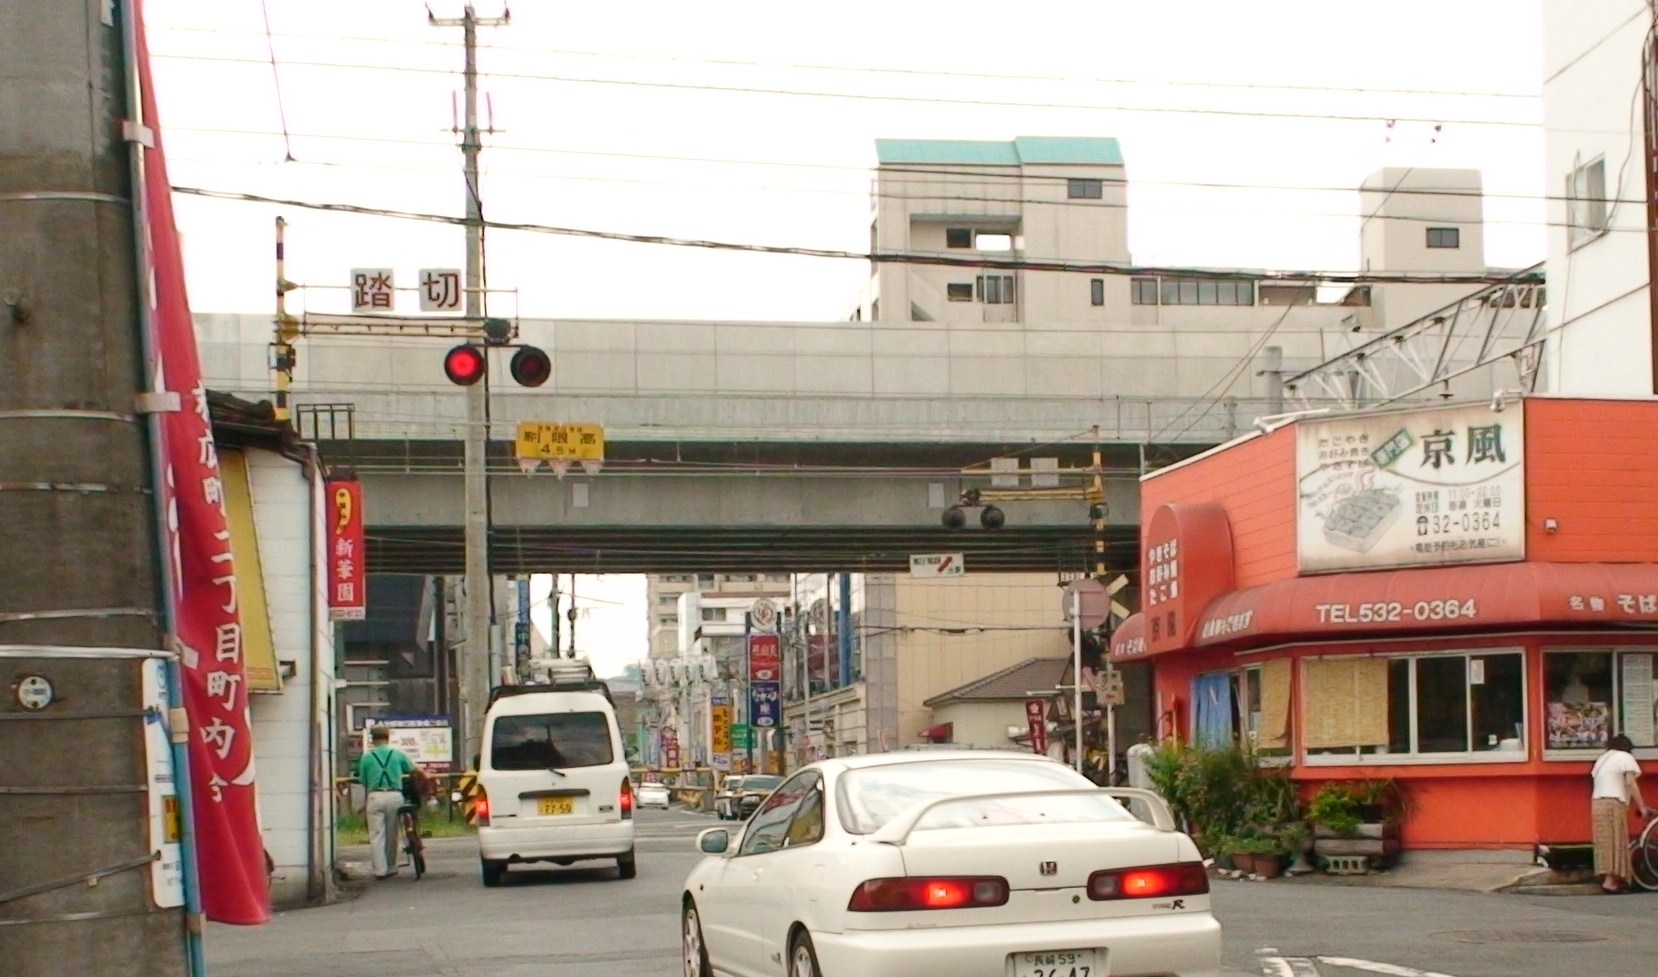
x=1615, y=774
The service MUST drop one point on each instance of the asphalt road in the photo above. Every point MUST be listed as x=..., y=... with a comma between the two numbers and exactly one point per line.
x=585, y=920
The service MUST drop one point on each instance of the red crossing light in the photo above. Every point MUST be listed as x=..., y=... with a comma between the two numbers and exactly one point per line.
x=464, y=365
x=531, y=367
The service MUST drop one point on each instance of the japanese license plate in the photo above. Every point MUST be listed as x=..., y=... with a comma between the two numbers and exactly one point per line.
x=1055, y=963
x=559, y=805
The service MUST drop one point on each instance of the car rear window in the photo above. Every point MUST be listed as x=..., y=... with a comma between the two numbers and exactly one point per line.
x=556, y=740
x=762, y=783
x=872, y=796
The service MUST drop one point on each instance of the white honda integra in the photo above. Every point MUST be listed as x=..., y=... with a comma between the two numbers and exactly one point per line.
x=961, y=863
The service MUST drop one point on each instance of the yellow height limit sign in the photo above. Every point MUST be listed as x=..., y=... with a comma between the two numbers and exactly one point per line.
x=560, y=445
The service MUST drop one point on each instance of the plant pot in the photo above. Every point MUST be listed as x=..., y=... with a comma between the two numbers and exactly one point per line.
x=1225, y=862
x=1243, y=861
x=1270, y=866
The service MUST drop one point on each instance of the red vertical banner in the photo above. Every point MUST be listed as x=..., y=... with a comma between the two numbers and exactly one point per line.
x=347, y=573
x=765, y=658
x=1036, y=714
x=206, y=618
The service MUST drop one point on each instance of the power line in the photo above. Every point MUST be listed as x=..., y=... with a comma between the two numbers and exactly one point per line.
x=987, y=175
x=276, y=78
x=895, y=258
x=893, y=97
x=879, y=69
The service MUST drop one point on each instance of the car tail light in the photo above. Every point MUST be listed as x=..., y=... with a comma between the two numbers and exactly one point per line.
x=626, y=800
x=1149, y=882
x=481, y=808
x=912, y=894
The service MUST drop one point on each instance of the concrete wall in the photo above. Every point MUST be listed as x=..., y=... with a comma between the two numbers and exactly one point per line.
x=292, y=729
x=1021, y=617
x=981, y=725
x=1598, y=309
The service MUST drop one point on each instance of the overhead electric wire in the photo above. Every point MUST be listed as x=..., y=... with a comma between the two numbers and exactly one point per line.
x=879, y=69
x=979, y=260
x=276, y=78
x=893, y=97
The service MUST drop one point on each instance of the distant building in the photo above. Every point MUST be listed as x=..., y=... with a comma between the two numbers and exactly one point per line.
x=663, y=591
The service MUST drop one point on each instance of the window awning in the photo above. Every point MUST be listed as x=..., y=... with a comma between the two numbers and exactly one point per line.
x=1459, y=598
x=941, y=733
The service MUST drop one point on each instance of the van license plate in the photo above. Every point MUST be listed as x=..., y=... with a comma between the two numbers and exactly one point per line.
x=561, y=805
x=1055, y=963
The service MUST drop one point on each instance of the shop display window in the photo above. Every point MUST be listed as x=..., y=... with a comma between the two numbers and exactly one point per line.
x=1589, y=694
x=1440, y=706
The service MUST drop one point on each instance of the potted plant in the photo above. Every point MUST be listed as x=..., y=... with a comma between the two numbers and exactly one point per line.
x=1357, y=818
x=1221, y=847
x=1258, y=854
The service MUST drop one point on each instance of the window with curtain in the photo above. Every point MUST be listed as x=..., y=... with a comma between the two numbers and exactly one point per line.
x=1450, y=705
x=1215, y=714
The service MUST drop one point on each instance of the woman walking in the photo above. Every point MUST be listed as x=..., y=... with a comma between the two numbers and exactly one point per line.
x=1615, y=774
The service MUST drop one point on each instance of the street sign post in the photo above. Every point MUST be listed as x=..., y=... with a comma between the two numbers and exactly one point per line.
x=937, y=565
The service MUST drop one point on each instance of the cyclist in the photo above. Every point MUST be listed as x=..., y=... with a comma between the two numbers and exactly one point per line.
x=382, y=771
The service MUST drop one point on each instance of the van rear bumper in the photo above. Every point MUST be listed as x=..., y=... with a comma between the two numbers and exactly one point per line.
x=576, y=842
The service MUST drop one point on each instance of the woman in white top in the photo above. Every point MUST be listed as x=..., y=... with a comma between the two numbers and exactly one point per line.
x=1615, y=773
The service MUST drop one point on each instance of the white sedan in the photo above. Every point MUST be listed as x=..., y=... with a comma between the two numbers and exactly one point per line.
x=960, y=863
x=654, y=794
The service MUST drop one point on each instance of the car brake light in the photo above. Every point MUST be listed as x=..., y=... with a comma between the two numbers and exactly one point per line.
x=1149, y=882
x=626, y=800
x=911, y=894
x=481, y=809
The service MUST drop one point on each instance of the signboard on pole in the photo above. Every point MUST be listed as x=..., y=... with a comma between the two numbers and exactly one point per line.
x=546, y=441
x=670, y=749
x=937, y=565
x=719, y=713
x=347, y=575
x=440, y=290
x=763, y=615
x=765, y=658
x=765, y=704
x=372, y=290
x=166, y=816
x=740, y=737
x=1036, y=715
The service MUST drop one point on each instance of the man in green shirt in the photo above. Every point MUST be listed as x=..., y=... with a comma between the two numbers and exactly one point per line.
x=381, y=771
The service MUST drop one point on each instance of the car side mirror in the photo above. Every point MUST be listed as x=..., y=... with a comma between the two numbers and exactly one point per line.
x=714, y=841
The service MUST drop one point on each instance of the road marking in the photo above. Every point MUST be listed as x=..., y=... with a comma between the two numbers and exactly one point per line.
x=1389, y=969
x=1273, y=965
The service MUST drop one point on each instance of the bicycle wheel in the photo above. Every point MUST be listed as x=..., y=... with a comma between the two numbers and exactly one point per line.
x=1643, y=857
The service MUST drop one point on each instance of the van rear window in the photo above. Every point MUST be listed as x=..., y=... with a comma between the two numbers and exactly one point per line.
x=557, y=740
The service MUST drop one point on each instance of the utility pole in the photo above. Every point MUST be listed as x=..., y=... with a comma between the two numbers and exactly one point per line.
x=475, y=678
x=81, y=596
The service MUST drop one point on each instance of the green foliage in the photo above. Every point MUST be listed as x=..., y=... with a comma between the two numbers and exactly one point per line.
x=1343, y=806
x=1223, y=797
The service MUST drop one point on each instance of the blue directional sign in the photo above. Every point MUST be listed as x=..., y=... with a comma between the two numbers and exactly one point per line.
x=765, y=704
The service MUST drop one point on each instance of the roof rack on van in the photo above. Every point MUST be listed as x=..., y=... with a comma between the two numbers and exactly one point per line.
x=562, y=675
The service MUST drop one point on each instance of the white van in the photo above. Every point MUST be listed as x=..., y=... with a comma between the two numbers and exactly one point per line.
x=554, y=777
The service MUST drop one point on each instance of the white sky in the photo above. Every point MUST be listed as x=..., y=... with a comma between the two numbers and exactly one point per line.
x=367, y=88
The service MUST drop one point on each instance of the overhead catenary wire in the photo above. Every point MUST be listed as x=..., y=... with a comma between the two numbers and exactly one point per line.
x=977, y=260
x=276, y=79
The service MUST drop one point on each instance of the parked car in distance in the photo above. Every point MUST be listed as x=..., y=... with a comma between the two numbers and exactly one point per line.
x=654, y=793
x=966, y=864
x=725, y=799
x=756, y=788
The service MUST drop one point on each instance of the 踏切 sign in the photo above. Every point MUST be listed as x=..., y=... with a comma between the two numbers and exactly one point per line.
x=372, y=290
x=937, y=565
x=546, y=441
x=347, y=573
x=440, y=290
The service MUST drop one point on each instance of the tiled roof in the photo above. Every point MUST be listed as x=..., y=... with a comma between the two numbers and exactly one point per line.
x=1026, y=150
x=1013, y=682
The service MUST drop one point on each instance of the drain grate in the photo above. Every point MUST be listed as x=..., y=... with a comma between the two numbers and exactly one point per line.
x=1519, y=936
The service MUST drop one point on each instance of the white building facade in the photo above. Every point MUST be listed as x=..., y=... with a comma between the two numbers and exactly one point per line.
x=1598, y=111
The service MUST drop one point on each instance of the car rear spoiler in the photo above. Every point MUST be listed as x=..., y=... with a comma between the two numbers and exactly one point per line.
x=897, y=831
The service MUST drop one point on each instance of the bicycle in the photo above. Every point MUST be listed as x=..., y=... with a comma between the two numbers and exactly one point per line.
x=408, y=819
x=1643, y=855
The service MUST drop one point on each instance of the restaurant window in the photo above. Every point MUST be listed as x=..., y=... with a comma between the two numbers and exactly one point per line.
x=1591, y=694
x=1263, y=697
x=1441, y=705
x=1216, y=712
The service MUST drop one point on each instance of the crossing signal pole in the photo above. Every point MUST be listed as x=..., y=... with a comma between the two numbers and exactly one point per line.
x=473, y=661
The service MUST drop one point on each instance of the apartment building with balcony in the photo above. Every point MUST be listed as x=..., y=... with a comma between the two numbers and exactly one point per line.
x=1045, y=199
x=670, y=633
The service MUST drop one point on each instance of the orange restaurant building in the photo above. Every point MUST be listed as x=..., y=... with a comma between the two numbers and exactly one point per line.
x=1462, y=599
